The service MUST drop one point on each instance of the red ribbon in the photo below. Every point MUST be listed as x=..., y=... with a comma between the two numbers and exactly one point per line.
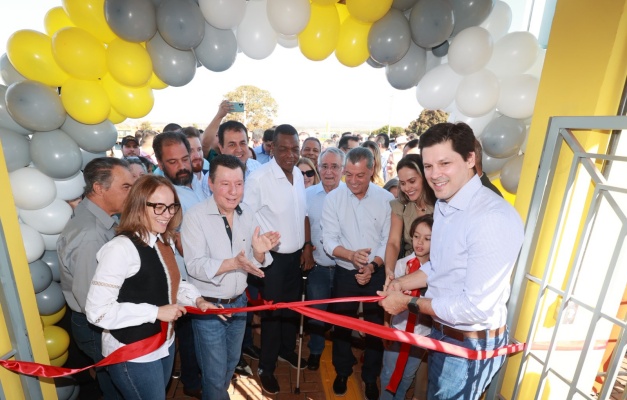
x=148, y=345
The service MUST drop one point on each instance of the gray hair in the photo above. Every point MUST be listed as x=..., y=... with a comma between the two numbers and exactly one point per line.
x=333, y=150
x=99, y=170
x=358, y=154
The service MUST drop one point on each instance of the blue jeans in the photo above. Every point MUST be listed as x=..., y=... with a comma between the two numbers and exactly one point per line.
x=88, y=338
x=143, y=381
x=319, y=286
x=218, y=349
x=389, y=363
x=453, y=377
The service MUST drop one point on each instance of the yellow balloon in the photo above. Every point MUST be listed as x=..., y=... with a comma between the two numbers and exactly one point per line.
x=85, y=101
x=59, y=361
x=48, y=320
x=89, y=15
x=115, y=117
x=352, y=44
x=56, y=19
x=324, y=2
x=57, y=341
x=30, y=52
x=368, y=10
x=134, y=102
x=342, y=11
x=79, y=53
x=157, y=83
x=129, y=63
x=319, y=38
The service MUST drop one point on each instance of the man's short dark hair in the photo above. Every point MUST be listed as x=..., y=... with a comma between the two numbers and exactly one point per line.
x=358, y=154
x=315, y=139
x=166, y=139
x=343, y=143
x=268, y=135
x=460, y=134
x=231, y=126
x=99, y=170
x=383, y=140
x=412, y=144
x=190, y=132
x=171, y=127
x=285, y=129
x=225, y=160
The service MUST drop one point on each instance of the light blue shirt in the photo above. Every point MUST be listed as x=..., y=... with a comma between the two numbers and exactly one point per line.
x=188, y=198
x=315, y=196
x=261, y=155
x=475, y=241
x=356, y=224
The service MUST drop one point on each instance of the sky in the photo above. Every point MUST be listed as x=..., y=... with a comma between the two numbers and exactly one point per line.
x=323, y=94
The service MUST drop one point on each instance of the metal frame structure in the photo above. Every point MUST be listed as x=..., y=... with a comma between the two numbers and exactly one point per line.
x=561, y=132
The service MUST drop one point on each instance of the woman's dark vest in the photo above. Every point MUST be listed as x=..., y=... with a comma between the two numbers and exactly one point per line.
x=149, y=285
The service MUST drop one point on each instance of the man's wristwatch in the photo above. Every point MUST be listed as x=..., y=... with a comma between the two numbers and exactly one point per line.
x=375, y=266
x=307, y=243
x=412, y=306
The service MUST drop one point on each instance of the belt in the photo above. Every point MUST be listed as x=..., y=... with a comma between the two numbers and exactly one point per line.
x=460, y=335
x=325, y=266
x=221, y=301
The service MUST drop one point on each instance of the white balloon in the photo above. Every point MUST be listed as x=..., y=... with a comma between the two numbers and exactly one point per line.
x=50, y=241
x=49, y=220
x=477, y=94
x=470, y=50
x=536, y=68
x=499, y=20
x=518, y=96
x=436, y=90
x=33, y=243
x=510, y=173
x=255, y=36
x=223, y=14
x=513, y=54
x=31, y=188
x=287, y=41
x=432, y=61
x=288, y=17
x=71, y=188
x=477, y=124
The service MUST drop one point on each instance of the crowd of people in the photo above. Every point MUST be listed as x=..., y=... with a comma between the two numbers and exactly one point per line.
x=202, y=218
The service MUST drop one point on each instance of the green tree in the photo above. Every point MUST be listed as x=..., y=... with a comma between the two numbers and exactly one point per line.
x=260, y=107
x=145, y=126
x=394, y=131
x=426, y=120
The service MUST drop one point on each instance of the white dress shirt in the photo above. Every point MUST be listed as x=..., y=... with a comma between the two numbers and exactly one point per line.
x=315, y=200
x=117, y=261
x=278, y=204
x=356, y=224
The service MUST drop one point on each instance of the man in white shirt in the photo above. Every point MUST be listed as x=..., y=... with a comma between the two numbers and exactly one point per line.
x=275, y=192
x=355, y=229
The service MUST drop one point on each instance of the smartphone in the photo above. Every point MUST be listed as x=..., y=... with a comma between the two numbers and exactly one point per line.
x=237, y=107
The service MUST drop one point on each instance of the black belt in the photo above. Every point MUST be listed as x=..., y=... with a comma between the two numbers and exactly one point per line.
x=325, y=266
x=221, y=301
x=459, y=335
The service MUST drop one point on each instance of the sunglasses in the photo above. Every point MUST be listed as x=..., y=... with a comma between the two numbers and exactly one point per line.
x=309, y=174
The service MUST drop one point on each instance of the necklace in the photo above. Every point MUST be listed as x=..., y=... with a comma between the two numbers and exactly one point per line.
x=420, y=209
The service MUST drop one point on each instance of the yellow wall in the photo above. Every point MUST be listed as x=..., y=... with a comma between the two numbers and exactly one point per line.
x=10, y=381
x=584, y=74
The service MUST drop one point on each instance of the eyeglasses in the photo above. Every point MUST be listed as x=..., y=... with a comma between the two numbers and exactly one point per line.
x=309, y=174
x=332, y=167
x=159, y=208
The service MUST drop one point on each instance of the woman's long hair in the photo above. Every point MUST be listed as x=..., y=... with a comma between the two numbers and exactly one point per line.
x=377, y=176
x=306, y=161
x=414, y=161
x=134, y=222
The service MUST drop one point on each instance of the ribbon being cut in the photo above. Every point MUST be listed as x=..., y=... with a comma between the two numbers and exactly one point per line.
x=148, y=345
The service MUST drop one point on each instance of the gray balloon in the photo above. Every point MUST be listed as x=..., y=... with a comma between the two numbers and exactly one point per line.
x=94, y=138
x=431, y=22
x=441, y=50
x=52, y=261
x=491, y=165
x=407, y=72
x=470, y=13
x=389, y=38
x=373, y=63
x=503, y=136
x=35, y=106
x=55, y=154
x=8, y=72
x=50, y=300
x=40, y=274
x=510, y=173
x=65, y=387
x=403, y=5
x=131, y=20
x=180, y=23
x=174, y=67
x=5, y=118
x=87, y=157
x=218, y=49
x=15, y=148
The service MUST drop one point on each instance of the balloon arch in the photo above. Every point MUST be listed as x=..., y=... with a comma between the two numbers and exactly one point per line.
x=100, y=60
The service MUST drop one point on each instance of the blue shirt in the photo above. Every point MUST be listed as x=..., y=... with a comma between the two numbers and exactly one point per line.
x=356, y=223
x=261, y=154
x=315, y=196
x=475, y=242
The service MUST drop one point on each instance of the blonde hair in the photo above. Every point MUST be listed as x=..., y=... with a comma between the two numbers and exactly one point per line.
x=377, y=176
x=306, y=161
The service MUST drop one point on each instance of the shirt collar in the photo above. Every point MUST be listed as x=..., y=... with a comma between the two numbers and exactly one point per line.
x=370, y=185
x=104, y=218
x=277, y=171
x=462, y=198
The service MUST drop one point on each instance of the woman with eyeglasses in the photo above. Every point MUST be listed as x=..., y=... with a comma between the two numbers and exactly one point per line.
x=137, y=285
x=310, y=175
